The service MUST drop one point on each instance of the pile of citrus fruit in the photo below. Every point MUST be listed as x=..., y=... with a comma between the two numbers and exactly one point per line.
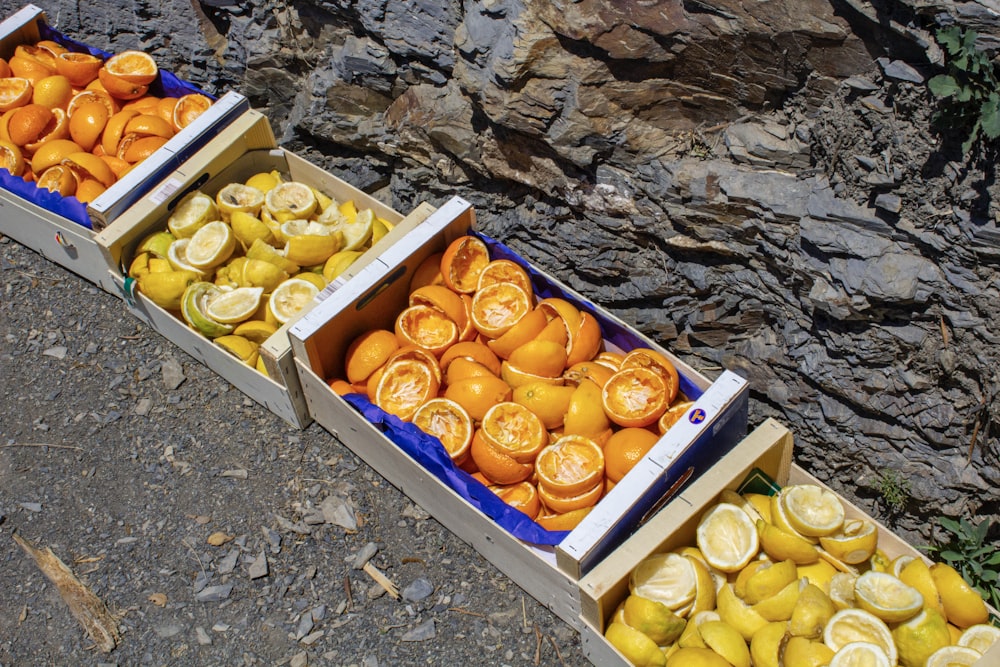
x=238, y=265
x=74, y=123
x=787, y=580
x=521, y=391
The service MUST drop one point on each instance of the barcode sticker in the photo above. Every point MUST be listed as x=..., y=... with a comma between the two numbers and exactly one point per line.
x=165, y=191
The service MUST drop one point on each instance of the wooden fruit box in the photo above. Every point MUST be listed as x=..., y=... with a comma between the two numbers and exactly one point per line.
x=319, y=339
x=767, y=448
x=62, y=228
x=245, y=147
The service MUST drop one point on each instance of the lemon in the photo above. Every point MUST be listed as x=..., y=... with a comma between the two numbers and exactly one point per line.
x=953, y=656
x=766, y=645
x=919, y=637
x=290, y=297
x=177, y=256
x=637, y=647
x=238, y=197
x=239, y=347
x=880, y=562
x=323, y=201
x=259, y=273
x=314, y=278
x=842, y=590
x=900, y=562
x=854, y=543
x=211, y=245
x=705, y=586
x=779, y=517
x=768, y=579
x=726, y=537
x=782, y=545
x=233, y=306
x=779, y=607
x=860, y=654
x=761, y=503
x=264, y=181
x=696, y=657
x=348, y=210
x=653, y=619
x=156, y=243
x=357, y=232
x=309, y=249
x=812, y=510
x=260, y=250
x=159, y=265
x=803, y=652
x=980, y=637
x=887, y=597
x=819, y=573
x=669, y=578
x=691, y=637
x=231, y=275
x=249, y=228
x=192, y=213
x=256, y=331
x=338, y=263
x=736, y=613
x=139, y=265
x=260, y=365
x=858, y=625
x=725, y=640
x=290, y=200
x=962, y=604
x=917, y=573
x=166, y=289
x=380, y=228
x=813, y=610
x=192, y=310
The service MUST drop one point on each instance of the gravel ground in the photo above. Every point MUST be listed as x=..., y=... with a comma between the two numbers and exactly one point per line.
x=192, y=512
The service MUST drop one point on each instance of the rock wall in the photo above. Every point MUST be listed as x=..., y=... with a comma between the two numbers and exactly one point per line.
x=754, y=184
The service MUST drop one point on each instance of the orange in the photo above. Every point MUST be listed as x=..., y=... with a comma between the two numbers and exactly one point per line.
x=119, y=166
x=586, y=340
x=585, y=415
x=469, y=332
x=557, y=307
x=544, y=358
x=188, y=108
x=555, y=331
x=634, y=397
x=442, y=298
x=28, y=67
x=463, y=261
x=566, y=521
x=52, y=153
x=405, y=385
x=517, y=377
x=624, y=449
x=562, y=504
x=137, y=67
x=57, y=178
x=88, y=165
x=504, y=271
x=645, y=357
x=496, y=466
x=14, y=92
x=11, y=158
x=118, y=87
x=89, y=189
x=522, y=496
x=416, y=353
x=514, y=430
x=135, y=148
x=428, y=272
x=147, y=124
x=367, y=352
x=426, y=327
x=52, y=91
x=526, y=329
x=448, y=422
x=672, y=415
x=87, y=123
x=570, y=466
x=52, y=46
x=28, y=123
x=165, y=109
x=147, y=104
x=37, y=52
x=56, y=128
x=462, y=368
x=498, y=307
x=115, y=128
x=478, y=394
x=85, y=96
x=612, y=360
x=474, y=351
x=341, y=387
x=591, y=370
x=79, y=68
x=550, y=402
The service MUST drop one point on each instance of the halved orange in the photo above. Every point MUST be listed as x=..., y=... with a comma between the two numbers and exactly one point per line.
x=136, y=148
x=28, y=66
x=644, y=357
x=147, y=104
x=545, y=358
x=586, y=340
x=417, y=353
x=426, y=327
x=405, y=385
x=87, y=123
x=591, y=370
x=571, y=465
x=56, y=128
x=149, y=124
x=521, y=496
x=59, y=179
x=634, y=396
x=115, y=129
x=79, y=68
x=498, y=307
x=462, y=368
x=368, y=352
x=52, y=153
x=445, y=300
x=52, y=91
x=188, y=108
x=478, y=394
x=555, y=331
x=119, y=166
x=496, y=466
x=428, y=272
x=136, y=67
x=88, y=190
x=505, y=271
x=473, y=350
x=672, y=415
x=27, y=124
x=165, y=109
x=566, y=521
x=561, y=504
x=120, y=88
x=448, y=422
x=526, y=329
x=11, y=158
x=549, y=401
x=624, y=449
x=585, y=415
x=85, y=96
x=514, y=430
x=14, y=92
x=558, y=307
x=463, y=261
x=88, y=165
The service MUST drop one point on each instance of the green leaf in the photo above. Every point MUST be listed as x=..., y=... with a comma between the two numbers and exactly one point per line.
x=943, y=85
x=947, y=522
x=994, y=559
x=949, y=39
x=951, y=556
x=990, y=576
x=969, y=41
x=990, y=118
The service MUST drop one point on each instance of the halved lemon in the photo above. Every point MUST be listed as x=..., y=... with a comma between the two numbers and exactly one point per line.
x=727, y=537
x=290, y=297
x=211, y=245
x=290, y=200
x=238, y=305
x=812, y=510
x=193, y=212
x=238, y=197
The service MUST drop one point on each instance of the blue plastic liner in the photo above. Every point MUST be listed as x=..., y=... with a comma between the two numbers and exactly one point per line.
x=428, y=451
x=71, y=208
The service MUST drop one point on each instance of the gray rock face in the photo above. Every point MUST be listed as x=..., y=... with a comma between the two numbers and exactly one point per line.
x=740, y=180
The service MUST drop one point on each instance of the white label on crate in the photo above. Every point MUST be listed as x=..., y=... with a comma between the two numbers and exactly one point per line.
x=165, y=191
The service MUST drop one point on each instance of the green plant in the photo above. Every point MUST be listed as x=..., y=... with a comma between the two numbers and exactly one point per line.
x=970, y=87
x=894, y=489
x=969, y=552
